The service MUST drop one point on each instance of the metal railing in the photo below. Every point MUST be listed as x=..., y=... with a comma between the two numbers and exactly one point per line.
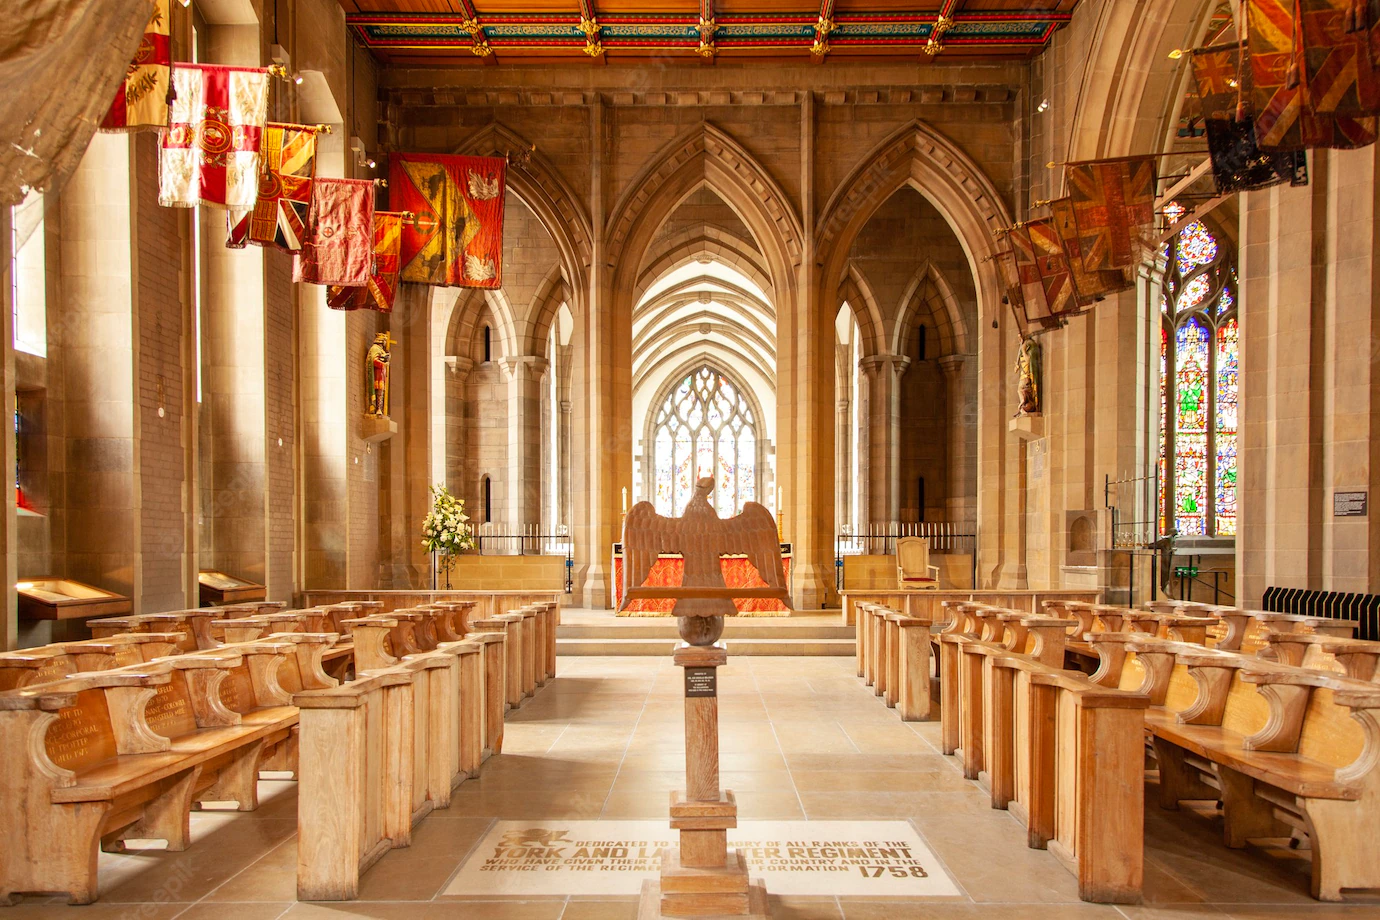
x=946, y=538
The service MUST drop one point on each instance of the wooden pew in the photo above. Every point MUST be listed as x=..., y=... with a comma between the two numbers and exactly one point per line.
x=194, y=625
x=26, y=667
x=1355, y=658
x=1286, y=750
x=1064, y=754
x=96, y=758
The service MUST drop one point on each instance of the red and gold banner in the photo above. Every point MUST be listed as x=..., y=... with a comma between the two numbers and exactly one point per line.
x=1053, y=265
x=1217, y=71
x=287, y=163
x=142, y=99
x=1113, y=209
x=1340, y=44
x=339, y=245
x=210, y=151
x=455, y=234
x=1088, y=287
x=382, y=288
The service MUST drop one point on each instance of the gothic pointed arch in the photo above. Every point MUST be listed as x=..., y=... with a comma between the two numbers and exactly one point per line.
x=705, y=155
x=919, y=156
x=541, y=310
x=857, y=294
x=929, y=286
x=465, y=312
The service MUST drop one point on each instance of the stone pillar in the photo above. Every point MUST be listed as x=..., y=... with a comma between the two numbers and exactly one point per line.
x=525, y=375
x=843, y=441
x=958, y=504
x=884, y=415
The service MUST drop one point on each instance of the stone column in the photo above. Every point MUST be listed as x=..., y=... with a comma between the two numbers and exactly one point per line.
x=884, y=415
x=843, y=441
x=525, y=376
x=957, y=503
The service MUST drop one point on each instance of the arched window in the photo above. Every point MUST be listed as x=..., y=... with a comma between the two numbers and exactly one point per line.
x=1199, y=384
x=488, y=344
x=705, y=427
x=488, y=500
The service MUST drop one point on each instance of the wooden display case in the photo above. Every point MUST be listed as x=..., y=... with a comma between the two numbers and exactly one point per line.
x=217, y=589
x=61, y=599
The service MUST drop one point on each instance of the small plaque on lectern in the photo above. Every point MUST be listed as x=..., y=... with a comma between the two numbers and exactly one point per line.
x=701, y=682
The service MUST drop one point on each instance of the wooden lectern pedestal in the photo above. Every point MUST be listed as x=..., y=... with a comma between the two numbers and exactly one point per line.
x=702, y=878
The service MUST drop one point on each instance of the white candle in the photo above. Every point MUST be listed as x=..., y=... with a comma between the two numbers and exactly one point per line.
x=625, y=499
x=778, y=499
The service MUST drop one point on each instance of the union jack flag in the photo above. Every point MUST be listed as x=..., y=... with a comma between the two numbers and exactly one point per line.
x=1088, y=287
x=1113, y=209
x=279, y=217
x=1339, y=56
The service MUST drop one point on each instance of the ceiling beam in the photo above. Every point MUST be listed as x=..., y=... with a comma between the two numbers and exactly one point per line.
x=471, y=24
x=823, y=26
x=707, y=27
x=935, y=43
x=589, y=25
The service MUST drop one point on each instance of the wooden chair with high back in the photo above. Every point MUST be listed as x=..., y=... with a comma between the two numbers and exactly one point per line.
x=913, y=569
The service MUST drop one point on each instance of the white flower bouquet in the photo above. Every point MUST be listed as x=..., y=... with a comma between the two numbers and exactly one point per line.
x=446, y=529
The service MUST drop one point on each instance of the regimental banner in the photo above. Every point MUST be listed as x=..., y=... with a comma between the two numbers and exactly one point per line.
x=382, y=288
x=555, y=858
x=1341, y=39
x=455, y=234
x=1239, y=165
x=210, y=149
x=1217, y=71
x=1011, y=284
x=1031, y=286
x=1277, y=89
x=1088, y=287
x=141, y=101
x=1053, y=264
x=339, y=244
x=1113, y=209
x=287, y=163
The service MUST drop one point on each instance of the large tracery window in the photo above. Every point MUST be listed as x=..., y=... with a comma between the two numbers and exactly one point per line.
x=1199, y=385
x=704, y=427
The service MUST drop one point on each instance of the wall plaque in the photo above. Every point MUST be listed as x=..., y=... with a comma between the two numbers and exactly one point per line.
x=701, y=682
x=1349, y=504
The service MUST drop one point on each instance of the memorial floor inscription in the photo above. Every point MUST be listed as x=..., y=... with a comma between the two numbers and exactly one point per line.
x=848, y=858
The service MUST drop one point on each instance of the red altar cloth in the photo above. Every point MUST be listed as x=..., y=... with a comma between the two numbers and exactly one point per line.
x=668, y=570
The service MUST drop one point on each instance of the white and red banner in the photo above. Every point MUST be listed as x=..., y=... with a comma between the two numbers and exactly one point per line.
x=215, y=128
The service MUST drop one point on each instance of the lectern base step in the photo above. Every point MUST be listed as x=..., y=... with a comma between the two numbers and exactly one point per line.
x=650, y=906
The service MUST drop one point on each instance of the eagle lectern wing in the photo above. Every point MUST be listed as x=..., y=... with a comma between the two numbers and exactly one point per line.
x=753, y=534
x=646, y=535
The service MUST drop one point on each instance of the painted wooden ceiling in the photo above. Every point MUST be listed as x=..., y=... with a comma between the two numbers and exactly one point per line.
x=448, y=32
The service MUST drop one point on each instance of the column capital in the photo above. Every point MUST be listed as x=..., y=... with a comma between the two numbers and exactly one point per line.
x=952, y=365
x=531, y=364
x=872, y=364
x=459, y=365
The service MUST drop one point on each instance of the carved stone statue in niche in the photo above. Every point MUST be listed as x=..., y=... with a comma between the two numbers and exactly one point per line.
x=376, y=376
x=1028, y=377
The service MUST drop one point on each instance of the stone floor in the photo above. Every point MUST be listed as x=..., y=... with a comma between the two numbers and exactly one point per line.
x=802, y=739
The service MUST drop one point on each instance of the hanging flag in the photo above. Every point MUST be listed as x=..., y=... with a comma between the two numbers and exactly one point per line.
x=455, y=236
x=1088, y=287
x=1052, y=262
x=1113, y=209
x=382, y=288
x=1276, y=88
x=287, y=163
x=1341, y=39
x=1034, y=299
x=339, y=244
x=1217, y=71
x=1238, y=165
x=141, y=101
x=210, y=149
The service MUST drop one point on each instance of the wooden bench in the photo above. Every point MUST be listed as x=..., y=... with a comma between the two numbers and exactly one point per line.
x=45, y=663
x=1286, y=750
x=1355, y=658
x=97, y=758
x=1062, y=753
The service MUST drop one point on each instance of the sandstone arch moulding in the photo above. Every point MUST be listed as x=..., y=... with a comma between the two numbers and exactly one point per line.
x=854, y=291
x=705, y=155
x=951, y=324
x=919, y=156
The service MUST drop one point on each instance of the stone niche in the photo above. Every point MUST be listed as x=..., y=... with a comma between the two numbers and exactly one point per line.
x=1081, y=530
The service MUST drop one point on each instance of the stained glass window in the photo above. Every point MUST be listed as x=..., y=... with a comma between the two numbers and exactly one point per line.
x=705, y=427
x=1199, y=387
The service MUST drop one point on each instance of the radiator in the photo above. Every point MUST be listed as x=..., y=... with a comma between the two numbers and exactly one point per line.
x=1364, y=608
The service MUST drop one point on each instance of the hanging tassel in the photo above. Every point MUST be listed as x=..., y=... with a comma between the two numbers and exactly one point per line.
x=1291, y=78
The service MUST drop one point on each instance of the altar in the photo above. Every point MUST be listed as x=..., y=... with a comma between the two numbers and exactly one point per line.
x=669, y=568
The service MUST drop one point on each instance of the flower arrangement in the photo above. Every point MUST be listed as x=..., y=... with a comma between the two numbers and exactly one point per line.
x=446, y=529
